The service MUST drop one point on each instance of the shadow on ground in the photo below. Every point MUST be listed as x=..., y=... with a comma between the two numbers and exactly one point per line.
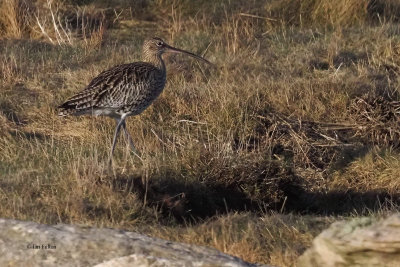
x=335, y=202
x=191, y=202
x=186, y=201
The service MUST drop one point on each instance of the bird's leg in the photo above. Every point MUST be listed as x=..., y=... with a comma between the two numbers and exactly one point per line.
x=128, y=137
x=120, y=122
x=130, y=142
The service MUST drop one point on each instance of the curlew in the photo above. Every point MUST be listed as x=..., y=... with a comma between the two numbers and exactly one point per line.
x=125, y=90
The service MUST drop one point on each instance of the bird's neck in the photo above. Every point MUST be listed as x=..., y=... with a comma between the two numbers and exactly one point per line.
x=155, y=60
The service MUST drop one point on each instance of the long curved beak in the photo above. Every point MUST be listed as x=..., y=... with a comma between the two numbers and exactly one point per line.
x=171, y=49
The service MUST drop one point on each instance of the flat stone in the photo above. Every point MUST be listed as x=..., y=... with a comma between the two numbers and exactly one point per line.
x=32, y=244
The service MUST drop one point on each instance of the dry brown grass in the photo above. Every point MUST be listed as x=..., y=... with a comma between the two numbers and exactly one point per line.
x=53, y=21
x=319, y=12
x=325, y=13
x=16, y=18
x=273, y=238
x=376, y=171
x=294, y=120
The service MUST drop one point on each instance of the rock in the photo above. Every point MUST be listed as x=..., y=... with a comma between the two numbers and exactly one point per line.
x=360, y=242
x=32, y=244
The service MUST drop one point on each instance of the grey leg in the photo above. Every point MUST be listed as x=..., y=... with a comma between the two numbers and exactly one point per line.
x=120, y=122
x=128, y=137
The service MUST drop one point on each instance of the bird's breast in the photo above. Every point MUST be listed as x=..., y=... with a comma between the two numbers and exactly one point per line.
x=142, y=94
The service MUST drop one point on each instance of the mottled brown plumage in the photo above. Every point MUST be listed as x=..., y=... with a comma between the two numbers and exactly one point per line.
x=127, y=88
x=124, y=90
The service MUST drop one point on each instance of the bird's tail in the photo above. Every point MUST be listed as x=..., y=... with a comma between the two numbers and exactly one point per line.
x=76, y=105
x=62, y=112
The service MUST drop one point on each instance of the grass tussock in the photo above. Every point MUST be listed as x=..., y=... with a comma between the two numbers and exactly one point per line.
x=277, y=239
x=301, y=116
x=16, y=18
x=319, y=12
x=377, y=170
x=325, y=13
x=52, y=21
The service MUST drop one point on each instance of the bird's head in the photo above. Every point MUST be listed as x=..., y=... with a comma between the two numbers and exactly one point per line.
x=156, y=47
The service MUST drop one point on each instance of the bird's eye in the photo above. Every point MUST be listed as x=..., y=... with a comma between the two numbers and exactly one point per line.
x=159, y=43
